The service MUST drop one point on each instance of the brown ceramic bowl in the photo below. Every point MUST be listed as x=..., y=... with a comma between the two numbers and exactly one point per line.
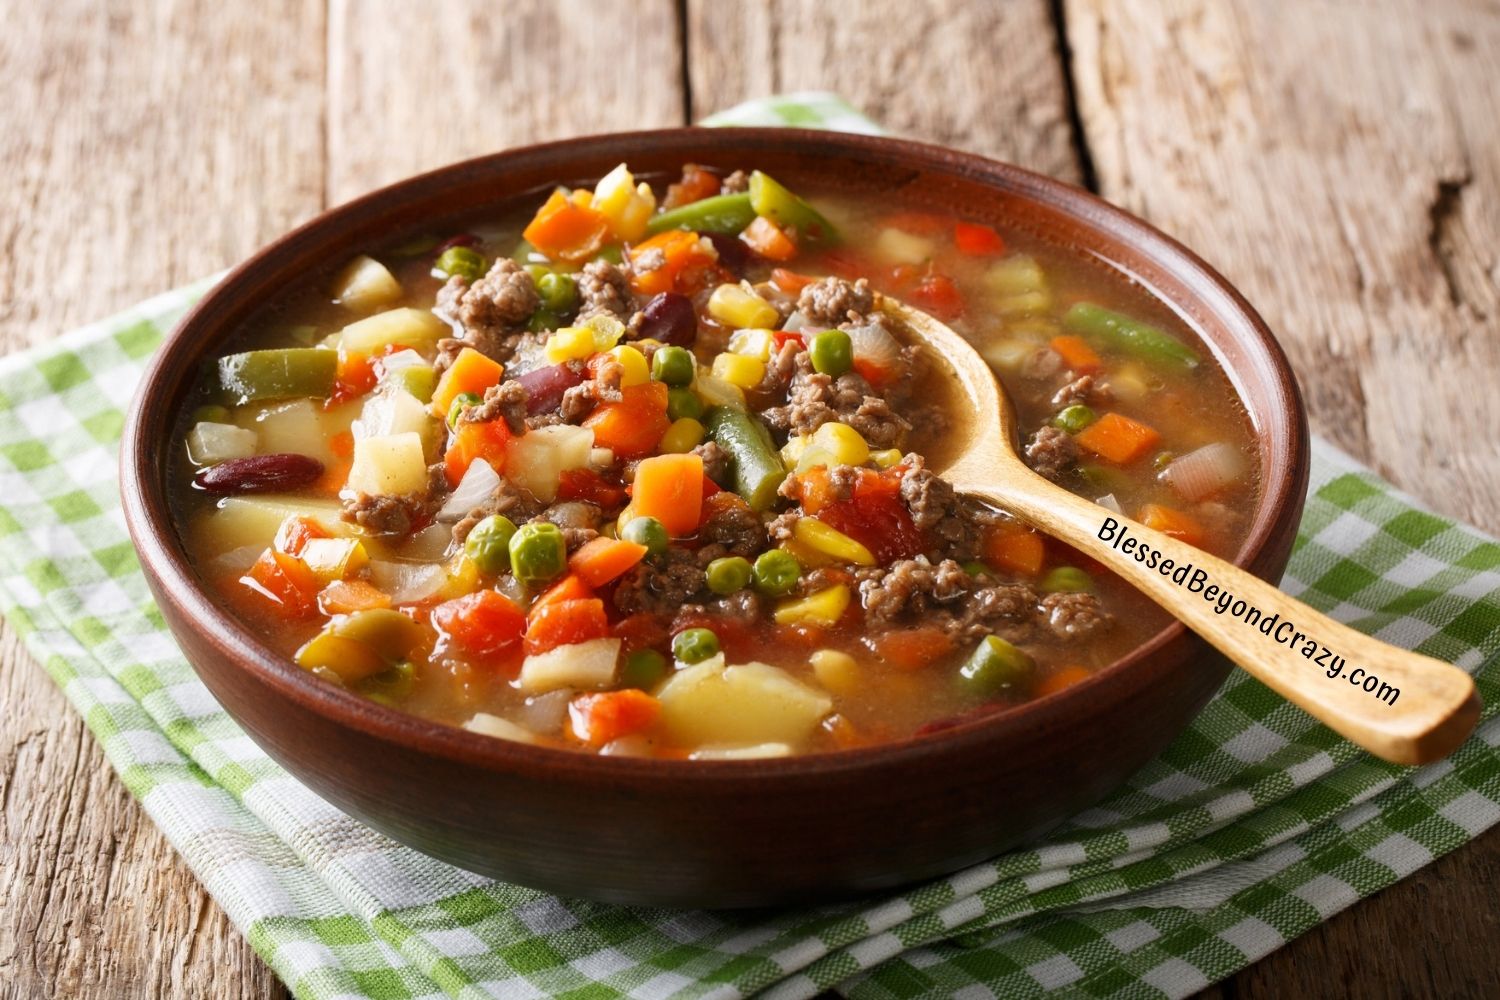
x=730, y=833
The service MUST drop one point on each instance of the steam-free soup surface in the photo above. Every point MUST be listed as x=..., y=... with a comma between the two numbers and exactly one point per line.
x=643, y=469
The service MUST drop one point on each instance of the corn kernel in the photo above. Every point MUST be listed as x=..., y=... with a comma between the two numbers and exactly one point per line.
x=737, y=306
x=836, y=671
x=843, y=443
x=571, y=343
x=684, y=435
x=606, y=330
x=627, y=205
x=751, y=343
x=738, y=370
x=822, y=608
x=819, y=537
x=791, y=452
x=887, y=458
x=637, y=372
x=813, y=456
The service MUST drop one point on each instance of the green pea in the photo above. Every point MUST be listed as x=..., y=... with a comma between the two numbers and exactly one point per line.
x=456, y=408
x=537, y=272
x=832, y=352
x=1067, y=580
x=212, y=414
x=644, y=669
x=775, y=572
x=559, y=293
x=683, y=403
x=462, y=261
x=673, y=365
x=647, y=531
x=694, y=645
x=488, y=544
x=543, y=320
x=728, y=574
x=976, y=568
x=537, y=552
x=995, y=666
x=1074, y=418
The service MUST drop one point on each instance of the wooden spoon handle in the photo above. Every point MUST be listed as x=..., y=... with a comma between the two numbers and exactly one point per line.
x=1402, y=706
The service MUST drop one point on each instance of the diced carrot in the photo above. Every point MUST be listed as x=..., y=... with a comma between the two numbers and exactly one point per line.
x=563, y=623
x=767, y=239
x=937, y=294
x=484, y=622
x=601, y=718
x=917, y=223
x=1060, y=679
x=1076, y=353
x=842, y=732
x=790, y=281
x=470, y=372
x=284, y=581
x=354, y=376
x=913, y=648
x=570, y=588
x=697, y=183
x=1170, y=521
x=484, y=440
x=977, y=240
x=683, y=256
x=1015, y=548
x=670, y=489
x=295, y=532
x=1117, y=439
x=567, y=227
x=342, y=444
x=601, y=560
x=344, y=597
x=632, y=427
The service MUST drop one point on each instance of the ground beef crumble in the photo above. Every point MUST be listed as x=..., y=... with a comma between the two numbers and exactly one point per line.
x=492, y=311
x=506, y=401
x=814, y=399
x=831, y=301
x=1074, y=616
x=660, y=584
x=942, y=595
x=603, y=290
x=1051, y=452
x=387, y=516
x=716, y=461
x=507, y=498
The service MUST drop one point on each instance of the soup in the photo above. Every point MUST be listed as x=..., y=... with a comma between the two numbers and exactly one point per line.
x=645, y=470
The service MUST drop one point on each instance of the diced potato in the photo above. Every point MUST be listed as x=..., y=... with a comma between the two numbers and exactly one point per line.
x=395, y=411
x=1017, y=274
x=758, y=751
x=1006, y=356
x=365, y=284
x=333, y=558
x=582, y=665
x=709, y=704
x=297, y=427
x=418, y=329
x=391, y=465
x=538, y=458
x=239, y=522
x=502, y=729
x=209, y=443
x=897, y=246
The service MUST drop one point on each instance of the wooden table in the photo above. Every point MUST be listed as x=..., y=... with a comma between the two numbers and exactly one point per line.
x=1339, y=161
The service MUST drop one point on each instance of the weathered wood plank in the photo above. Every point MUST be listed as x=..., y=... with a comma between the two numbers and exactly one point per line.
x=1341, y=164
x=134, y=161
x=413, y=86
x=985, y=77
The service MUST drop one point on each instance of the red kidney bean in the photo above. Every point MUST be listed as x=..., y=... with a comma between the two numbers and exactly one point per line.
x=733, y=254
x=545, y=386
x=259, y=474
x=670, y=318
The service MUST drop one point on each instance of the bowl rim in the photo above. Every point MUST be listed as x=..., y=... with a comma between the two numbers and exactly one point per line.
x=163, y=554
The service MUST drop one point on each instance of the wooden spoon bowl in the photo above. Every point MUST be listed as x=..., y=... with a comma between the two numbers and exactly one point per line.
x=728, y=833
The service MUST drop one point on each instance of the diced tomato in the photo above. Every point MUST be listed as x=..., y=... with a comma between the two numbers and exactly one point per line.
x=912, y=649
x=937, y=294
x=790, y=281
x=286, y=582
x=710, y=488
x=486, y=440
x=354, y=376
x=780, y=338
x=846, y=263
x=881, y=523
x=483, y=623
x=803, y=635
x=604, y=559
x=685, y=263
x=590, y=487
x=977, y=240
x=697, y=183
x=876, y=375
x=564, y=623
x=642, y=631
x=814, y=491
x=768, y=240
x=601, y=718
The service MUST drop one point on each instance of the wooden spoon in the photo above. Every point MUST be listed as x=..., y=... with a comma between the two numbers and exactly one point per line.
x=1434, y=707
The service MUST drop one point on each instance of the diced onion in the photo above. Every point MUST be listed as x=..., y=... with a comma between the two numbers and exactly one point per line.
x=398, y=360
x=473, y=489
x=1204, y=472
x=408, y=583
x=796, y=322
x=873, y=343
x=501, y=729
x=1109, y=503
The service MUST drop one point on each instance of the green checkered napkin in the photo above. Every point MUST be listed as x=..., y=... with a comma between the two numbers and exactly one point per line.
x=1254, y=826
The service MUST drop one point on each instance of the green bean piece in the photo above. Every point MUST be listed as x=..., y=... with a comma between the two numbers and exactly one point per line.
x=419, y=380
x=462, y=261
x=461, y=402
x=1105, y=478
x=647, y=531
x=212, y=415
x=996, y=666
x=1067, y=580
x=612, y=254
x=773, y=200
x=280, y=373
x=488, y=544
x=728, y=574
x=1073, y=418
x=724, y=213
x=537, y=272
x=694, y=645
x=1132, y=336
x=559, y=293
x=758, y=469
x=832, y=352
x=537, y=552
x=674, y=366
x=775, y=572
x=644, y=669
x=683, y=403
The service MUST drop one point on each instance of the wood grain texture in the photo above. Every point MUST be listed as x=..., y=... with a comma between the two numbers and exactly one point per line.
x=980, y=76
